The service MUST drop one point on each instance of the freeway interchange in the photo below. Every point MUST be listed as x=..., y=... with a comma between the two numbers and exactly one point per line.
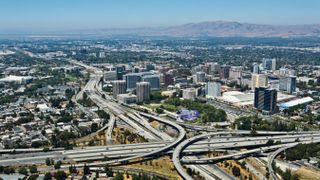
x=184, y=151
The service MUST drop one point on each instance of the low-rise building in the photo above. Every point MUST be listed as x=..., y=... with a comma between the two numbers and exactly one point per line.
x=127, y=98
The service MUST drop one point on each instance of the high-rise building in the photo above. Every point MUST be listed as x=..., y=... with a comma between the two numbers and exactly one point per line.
x=216, y=67
x=120, y=71
x=213, y=89
x=235, y=72
x=287, y=72
x=118, y=87
x=167, y=79
x=143, y=91
x=199, y=77
x=265, y=100
x=269, y=64
x=255, y=68
x=224, y=71
x=258, y=80
x=288, y=84
x=110, y=75
x=132, y=80
x=102, y=54
x=150, y=67
x=190, y=93
x=154, y=81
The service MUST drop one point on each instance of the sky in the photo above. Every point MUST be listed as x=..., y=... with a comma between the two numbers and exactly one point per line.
x=52, y=15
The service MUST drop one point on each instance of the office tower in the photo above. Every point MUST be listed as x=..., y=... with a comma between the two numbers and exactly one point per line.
x=143, y=91
x=258, y=80
x=118, y=87
x=224, y=71
x=190, y=93
x=287, y=72
x=199, y=77
x=269, y=64
x=274, y=84
x=132, y=80
x=213, y=89
x=196, y=69
x=136, y=70
x=215, y=68
x=167, y=79
x=235, y=72
x=121, y=70
x=287, y=84
x=110, y=75
x=265, y=100
x=102, y=54
x=255, y=68
x=150, y=67
x=154, y=81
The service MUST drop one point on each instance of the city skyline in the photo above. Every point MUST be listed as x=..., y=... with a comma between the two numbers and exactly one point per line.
x=43, y=16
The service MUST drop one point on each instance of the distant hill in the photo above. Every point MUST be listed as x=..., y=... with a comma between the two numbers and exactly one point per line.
x=202, y=29
x=222, y=29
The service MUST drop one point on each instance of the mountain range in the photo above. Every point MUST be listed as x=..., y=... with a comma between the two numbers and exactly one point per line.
x=221, y=29
x=192, y=30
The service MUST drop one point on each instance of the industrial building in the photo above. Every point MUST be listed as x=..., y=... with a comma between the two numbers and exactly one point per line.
x=296, y=102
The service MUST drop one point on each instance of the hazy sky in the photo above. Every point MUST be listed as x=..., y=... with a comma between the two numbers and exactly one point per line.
x=42, y=15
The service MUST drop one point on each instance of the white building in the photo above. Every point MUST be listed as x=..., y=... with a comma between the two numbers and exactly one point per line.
x=110, y=75
x=235, y=72
x=258, y=80
x=143, y=91
x=16, y=79
x=118, y=87
x=269, y=64
x=190, y=93
x=199, y=77
x=213, y=89
x=127, y=98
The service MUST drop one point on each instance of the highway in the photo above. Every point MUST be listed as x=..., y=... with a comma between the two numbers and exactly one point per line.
x=205, y=142
x=111, y=124
x=272, y=156
x=129, y=150
x=135, y=122
x=178, y=150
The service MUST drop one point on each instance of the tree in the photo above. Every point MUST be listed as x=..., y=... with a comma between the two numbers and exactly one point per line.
x=48, y=162
x=154, y=178
x=270, y=142
x=94, y=127
x=47, y=176
x=8, y=170
x=159, y=111
x=135, y=177
x=108, y=171
x=57, y=165
x=243, y=165
x=72, y=169
x=97, y=173
x=253, y=131
x=33, y=169
x=189, y=171
x=119, y=176
x=69, y=93
x=60, y=175
x=33, y=177
x=236, y=171
x=23, y=170
x=86, y=170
